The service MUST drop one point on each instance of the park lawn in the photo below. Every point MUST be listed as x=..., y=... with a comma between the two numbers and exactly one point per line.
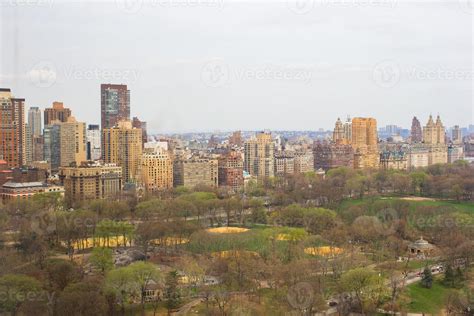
x=423, y=300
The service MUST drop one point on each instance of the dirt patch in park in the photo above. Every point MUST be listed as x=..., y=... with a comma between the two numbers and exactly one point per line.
x=227, y=230
x=417, y=198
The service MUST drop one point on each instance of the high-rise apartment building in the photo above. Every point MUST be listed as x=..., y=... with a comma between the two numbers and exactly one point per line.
x=12, y=129
x=91, y=181
x=122, y=145
x=93, y=139
x=328, y=156
x=416, y=132
x=65, y=143
x=433, y=133
x=434, y=139
x=34, y=121
x=157, y=170
x=304, y=162
x=231, y=171
x=365, y=143
x=259, y=156
x=284, y=163
x=56, y=113
x=456, y=135
x=141, y=125
x=114, y=104
x=195, y=171
x=28, y=145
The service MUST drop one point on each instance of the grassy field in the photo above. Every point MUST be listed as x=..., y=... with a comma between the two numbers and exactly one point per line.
x=423, y=300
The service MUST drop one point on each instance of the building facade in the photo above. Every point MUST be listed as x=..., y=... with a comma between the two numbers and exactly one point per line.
x=56, y=113
x=26, y=190
x=34, y=121
x=12, y=129
x=114, y=104
x=93, y=139
x=122, y=145
x=91, y=181
x=65, y=143
x=416, y=132
x=328, y=156
x=141, y=125
x=284, y=163
x=365, y=143
x=231, y=171
x=195, y=171
x=157, y=170
x=259, y=156
x=304, y=162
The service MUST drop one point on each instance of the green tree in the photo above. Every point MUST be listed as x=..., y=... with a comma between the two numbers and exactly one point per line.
x=427, y=278
x=144, y=274
x=172, y=293
x=15, y=289
x=119, y=283
x=101, y=258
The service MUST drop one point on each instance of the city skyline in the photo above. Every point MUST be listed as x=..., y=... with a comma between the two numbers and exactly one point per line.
x=368, y=73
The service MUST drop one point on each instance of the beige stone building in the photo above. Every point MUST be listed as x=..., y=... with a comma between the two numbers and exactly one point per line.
x=434, y=138
x=259, y=157
x=365, y=143
x=193, y=171
x=157, y=170
x=122, y=145
x=91, y=181
x=304, y=162
x=72, y=142
x=284, y=163
x=342, y=133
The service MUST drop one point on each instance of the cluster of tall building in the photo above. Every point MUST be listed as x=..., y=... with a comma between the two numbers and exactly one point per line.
x=100, y=161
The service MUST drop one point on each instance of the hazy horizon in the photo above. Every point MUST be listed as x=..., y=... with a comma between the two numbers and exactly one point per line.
x=207, y=65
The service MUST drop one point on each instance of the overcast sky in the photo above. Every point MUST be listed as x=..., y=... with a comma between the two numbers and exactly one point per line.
x=208, y=65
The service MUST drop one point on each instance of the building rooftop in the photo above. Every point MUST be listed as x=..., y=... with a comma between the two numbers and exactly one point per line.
x=19, y=185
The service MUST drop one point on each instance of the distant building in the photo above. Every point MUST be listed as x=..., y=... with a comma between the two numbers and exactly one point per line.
x=434, y=138
x=34, y=121
x=328, y=156
x=455, y=153
x=259, y=157
x=416, y=132
x=365, y=143
x=157, y=170
x=122, y=145
x=12, y=129
x=65, y=143
x=230, y=171
x=396, y=160
x=91, y=181
x=284, y=163
x=26, y=190
x=141, y=125
x=114, y=104
x=93, y=142
x=28, y=145
x=342, y=133
x=456, y=136
x=56, y=113
x=195, y=171
x=304, y=162
x=236, y=139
